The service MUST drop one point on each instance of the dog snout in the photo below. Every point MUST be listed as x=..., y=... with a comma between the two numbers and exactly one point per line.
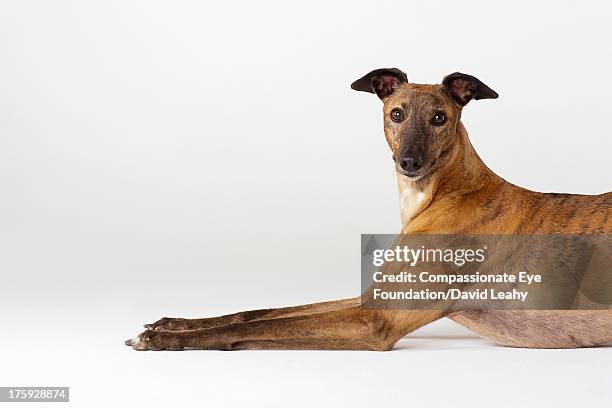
x=411, y=164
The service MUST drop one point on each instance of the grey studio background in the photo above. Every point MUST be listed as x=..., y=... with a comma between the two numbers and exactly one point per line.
x=194, y=158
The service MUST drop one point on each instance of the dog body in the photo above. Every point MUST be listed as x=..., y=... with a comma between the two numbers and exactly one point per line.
x=498, y=207
x=445, y=188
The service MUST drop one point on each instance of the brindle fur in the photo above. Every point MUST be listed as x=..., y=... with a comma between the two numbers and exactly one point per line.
x=458, y=194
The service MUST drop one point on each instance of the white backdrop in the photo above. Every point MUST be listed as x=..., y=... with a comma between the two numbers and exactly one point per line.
x=195, y=158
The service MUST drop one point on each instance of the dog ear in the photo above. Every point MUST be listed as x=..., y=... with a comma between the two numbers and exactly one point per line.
x=383, y=82
x=463, y=88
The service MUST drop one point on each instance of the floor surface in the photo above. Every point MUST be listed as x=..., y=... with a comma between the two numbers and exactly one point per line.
x=439, y=365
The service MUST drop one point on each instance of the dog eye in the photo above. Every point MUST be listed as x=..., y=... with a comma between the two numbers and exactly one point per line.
x=397, y=115
x=438, y=119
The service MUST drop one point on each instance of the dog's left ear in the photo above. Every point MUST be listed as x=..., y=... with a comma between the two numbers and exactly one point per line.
x=463, y=88
x=383, y=82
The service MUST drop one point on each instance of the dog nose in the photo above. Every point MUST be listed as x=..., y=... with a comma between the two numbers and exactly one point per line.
x=411, y=164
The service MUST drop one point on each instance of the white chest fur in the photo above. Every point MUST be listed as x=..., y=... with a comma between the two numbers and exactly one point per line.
x=412, y=199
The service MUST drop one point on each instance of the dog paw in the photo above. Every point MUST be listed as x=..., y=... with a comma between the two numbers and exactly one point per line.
x=169, y=323
x=154, y=340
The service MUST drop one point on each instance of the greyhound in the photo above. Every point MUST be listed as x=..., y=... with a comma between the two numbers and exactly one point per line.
x=445, y=188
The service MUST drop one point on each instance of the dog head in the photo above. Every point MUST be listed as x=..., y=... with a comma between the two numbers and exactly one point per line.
x=420, y=121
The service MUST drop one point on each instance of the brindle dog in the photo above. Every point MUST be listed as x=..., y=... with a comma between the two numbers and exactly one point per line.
x=445, y=188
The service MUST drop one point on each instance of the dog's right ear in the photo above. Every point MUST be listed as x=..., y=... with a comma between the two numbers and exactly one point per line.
x=383, y=82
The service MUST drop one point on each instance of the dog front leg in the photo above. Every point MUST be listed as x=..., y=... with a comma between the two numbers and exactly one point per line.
x=177, y=323
x=352, y=328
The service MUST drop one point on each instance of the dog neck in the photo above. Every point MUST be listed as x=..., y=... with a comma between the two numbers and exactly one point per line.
x=465, y=173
